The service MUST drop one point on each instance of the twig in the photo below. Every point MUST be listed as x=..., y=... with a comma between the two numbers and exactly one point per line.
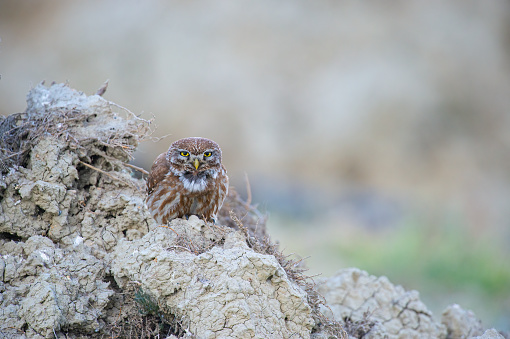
x=170, y=229
x=248, y=190
x=111, y=176
x=184, y=248
x=295, y=263
x=148, y=122
x=120, y=313
x=157, y=139
x=139, y=169
x=99, y=170
x=238, y=222
x=102, y=89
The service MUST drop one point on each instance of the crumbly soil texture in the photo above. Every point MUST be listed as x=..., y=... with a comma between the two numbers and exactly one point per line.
x=81, y=257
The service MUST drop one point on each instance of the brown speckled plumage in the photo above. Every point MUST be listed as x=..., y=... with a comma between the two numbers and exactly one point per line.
x=187, y=179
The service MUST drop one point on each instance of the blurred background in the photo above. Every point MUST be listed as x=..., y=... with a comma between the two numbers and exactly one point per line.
x=374, y=134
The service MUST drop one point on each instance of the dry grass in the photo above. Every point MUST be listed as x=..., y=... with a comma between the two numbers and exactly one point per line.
x=360, y=328
x=251, y=217
x=140, y=317
x=199, y=245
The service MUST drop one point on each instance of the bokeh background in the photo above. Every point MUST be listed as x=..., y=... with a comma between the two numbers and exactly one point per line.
x=374, y=134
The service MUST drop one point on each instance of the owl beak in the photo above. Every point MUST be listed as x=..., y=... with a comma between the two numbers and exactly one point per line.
x=197, y=163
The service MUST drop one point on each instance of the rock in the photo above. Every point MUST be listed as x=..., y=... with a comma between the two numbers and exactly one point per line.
x=48, y=288
x=374, y=307
x=228, y=291
x=63, y=207
x=62, y=190
x=461, y=323
x=490, y=334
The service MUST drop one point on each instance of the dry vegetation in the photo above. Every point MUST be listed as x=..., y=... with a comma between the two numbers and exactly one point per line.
x=140, y=317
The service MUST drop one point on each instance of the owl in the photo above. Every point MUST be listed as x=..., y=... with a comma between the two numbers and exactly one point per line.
x=187, y=179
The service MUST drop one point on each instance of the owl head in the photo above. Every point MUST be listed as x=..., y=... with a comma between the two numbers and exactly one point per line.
x=194, y=160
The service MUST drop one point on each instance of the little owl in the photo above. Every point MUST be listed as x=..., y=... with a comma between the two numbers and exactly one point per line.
x=187, y=179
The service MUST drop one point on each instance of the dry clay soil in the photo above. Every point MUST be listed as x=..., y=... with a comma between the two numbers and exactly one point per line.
x=80, y=255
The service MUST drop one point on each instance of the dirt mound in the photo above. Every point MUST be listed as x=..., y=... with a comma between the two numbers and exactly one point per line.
x=81, y=256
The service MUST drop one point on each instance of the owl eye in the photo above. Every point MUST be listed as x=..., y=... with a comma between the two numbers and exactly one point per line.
x=207, y=154
x=185, y=154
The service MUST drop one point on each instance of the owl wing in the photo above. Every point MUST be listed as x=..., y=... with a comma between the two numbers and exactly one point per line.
x=159, y=169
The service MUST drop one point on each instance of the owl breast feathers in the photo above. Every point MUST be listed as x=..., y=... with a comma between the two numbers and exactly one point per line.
x=187, y=179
